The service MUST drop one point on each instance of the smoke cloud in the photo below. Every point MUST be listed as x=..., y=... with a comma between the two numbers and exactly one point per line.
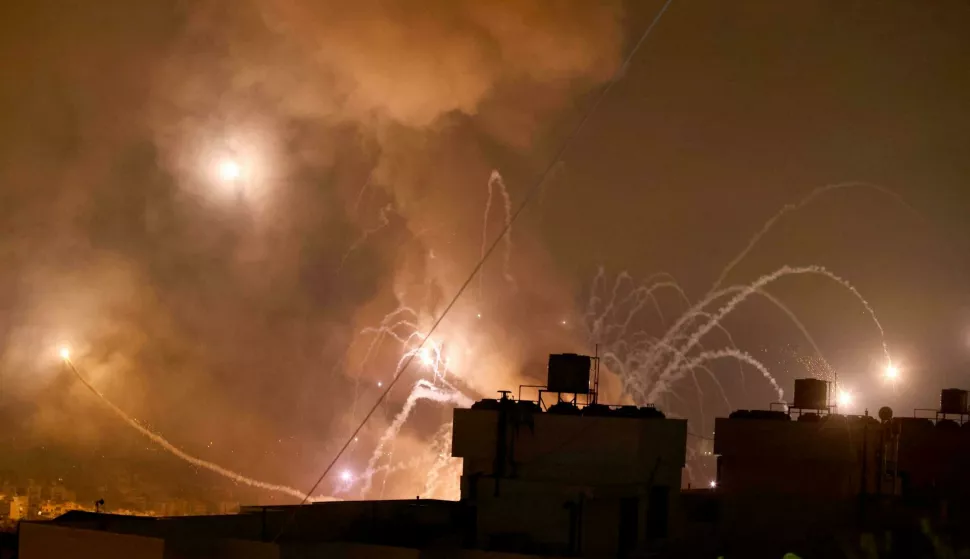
x=227, y=313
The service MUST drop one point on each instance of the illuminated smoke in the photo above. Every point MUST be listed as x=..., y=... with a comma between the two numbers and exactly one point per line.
x=178, y=453
x=384, y=221
x=442, y=481
x=423, y=390
x=673, y=368
x=495, y=181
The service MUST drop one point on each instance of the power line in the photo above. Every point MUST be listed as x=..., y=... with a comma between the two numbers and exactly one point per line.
x=498, y=239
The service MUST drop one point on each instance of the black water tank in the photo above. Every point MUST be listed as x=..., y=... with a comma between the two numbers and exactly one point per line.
x=632, y=411
x=569, y=373
x=953, y=400
x=947, y=425
x=563, y=408
x=486, y=405
x=650, y=412
x=811, y=394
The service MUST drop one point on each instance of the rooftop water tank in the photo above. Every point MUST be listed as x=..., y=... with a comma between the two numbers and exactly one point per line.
x=953, y=400
x=811, y=394
x=569, y=373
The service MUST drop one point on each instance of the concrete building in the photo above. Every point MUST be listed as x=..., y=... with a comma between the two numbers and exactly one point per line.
x=590, y=481
x=19, y=507
x=564, y=475
x=571, y=478
x=783, y=479
x=811, y=475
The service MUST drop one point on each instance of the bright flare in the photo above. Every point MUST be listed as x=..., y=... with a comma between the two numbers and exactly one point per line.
x=892, y=372
x=426, y=357
x=229, y=170
x=65, y=353
x=713, y=484
x=346, y=476
x=844, y=398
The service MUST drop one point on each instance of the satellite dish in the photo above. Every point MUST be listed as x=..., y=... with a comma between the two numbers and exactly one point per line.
x=885, y=413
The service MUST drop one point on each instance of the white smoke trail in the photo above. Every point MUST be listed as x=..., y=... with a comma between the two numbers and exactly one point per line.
x=423, y=390
x=444, y=461
x=178, y=453
x=384, y=222
x=730, y=353
x=495, y=181
x=673, y=367
x=794, y=207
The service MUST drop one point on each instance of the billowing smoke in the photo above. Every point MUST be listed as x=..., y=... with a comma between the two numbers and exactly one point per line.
x=211, y=201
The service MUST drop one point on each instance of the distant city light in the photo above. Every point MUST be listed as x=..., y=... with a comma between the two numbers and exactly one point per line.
x=229, y=170
x=713, y=484
x=65, y=353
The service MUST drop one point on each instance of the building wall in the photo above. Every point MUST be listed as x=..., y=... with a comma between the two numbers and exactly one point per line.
x=19, y=507
x=782, y=480
x=45, y=540
x=583, y=484
x=205, y=548
x=574, y=449
x=838, y=457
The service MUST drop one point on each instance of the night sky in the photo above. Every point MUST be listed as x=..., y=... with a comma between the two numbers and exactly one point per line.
x=229, y=313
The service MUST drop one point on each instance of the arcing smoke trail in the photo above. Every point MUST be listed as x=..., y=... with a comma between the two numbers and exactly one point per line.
x=174, y=450
x=793, y=207
x=384, y=222
x=441, y=447
x=733, y=353
x=495, y=181
x=674, y=368
x=423, y=390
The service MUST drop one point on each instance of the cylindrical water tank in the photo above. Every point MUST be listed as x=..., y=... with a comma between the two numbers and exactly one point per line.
x=953, y=400
x=811, y=394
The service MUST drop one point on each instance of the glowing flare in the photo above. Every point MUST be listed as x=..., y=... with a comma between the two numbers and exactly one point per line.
x=229, y=170
x=346, y=476
x=426, y=357
x=892, y=371
x=65, y=353
x=713, y=484
x=844, y=398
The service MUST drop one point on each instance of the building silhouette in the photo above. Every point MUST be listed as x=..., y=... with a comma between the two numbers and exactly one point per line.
x=560, y=474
